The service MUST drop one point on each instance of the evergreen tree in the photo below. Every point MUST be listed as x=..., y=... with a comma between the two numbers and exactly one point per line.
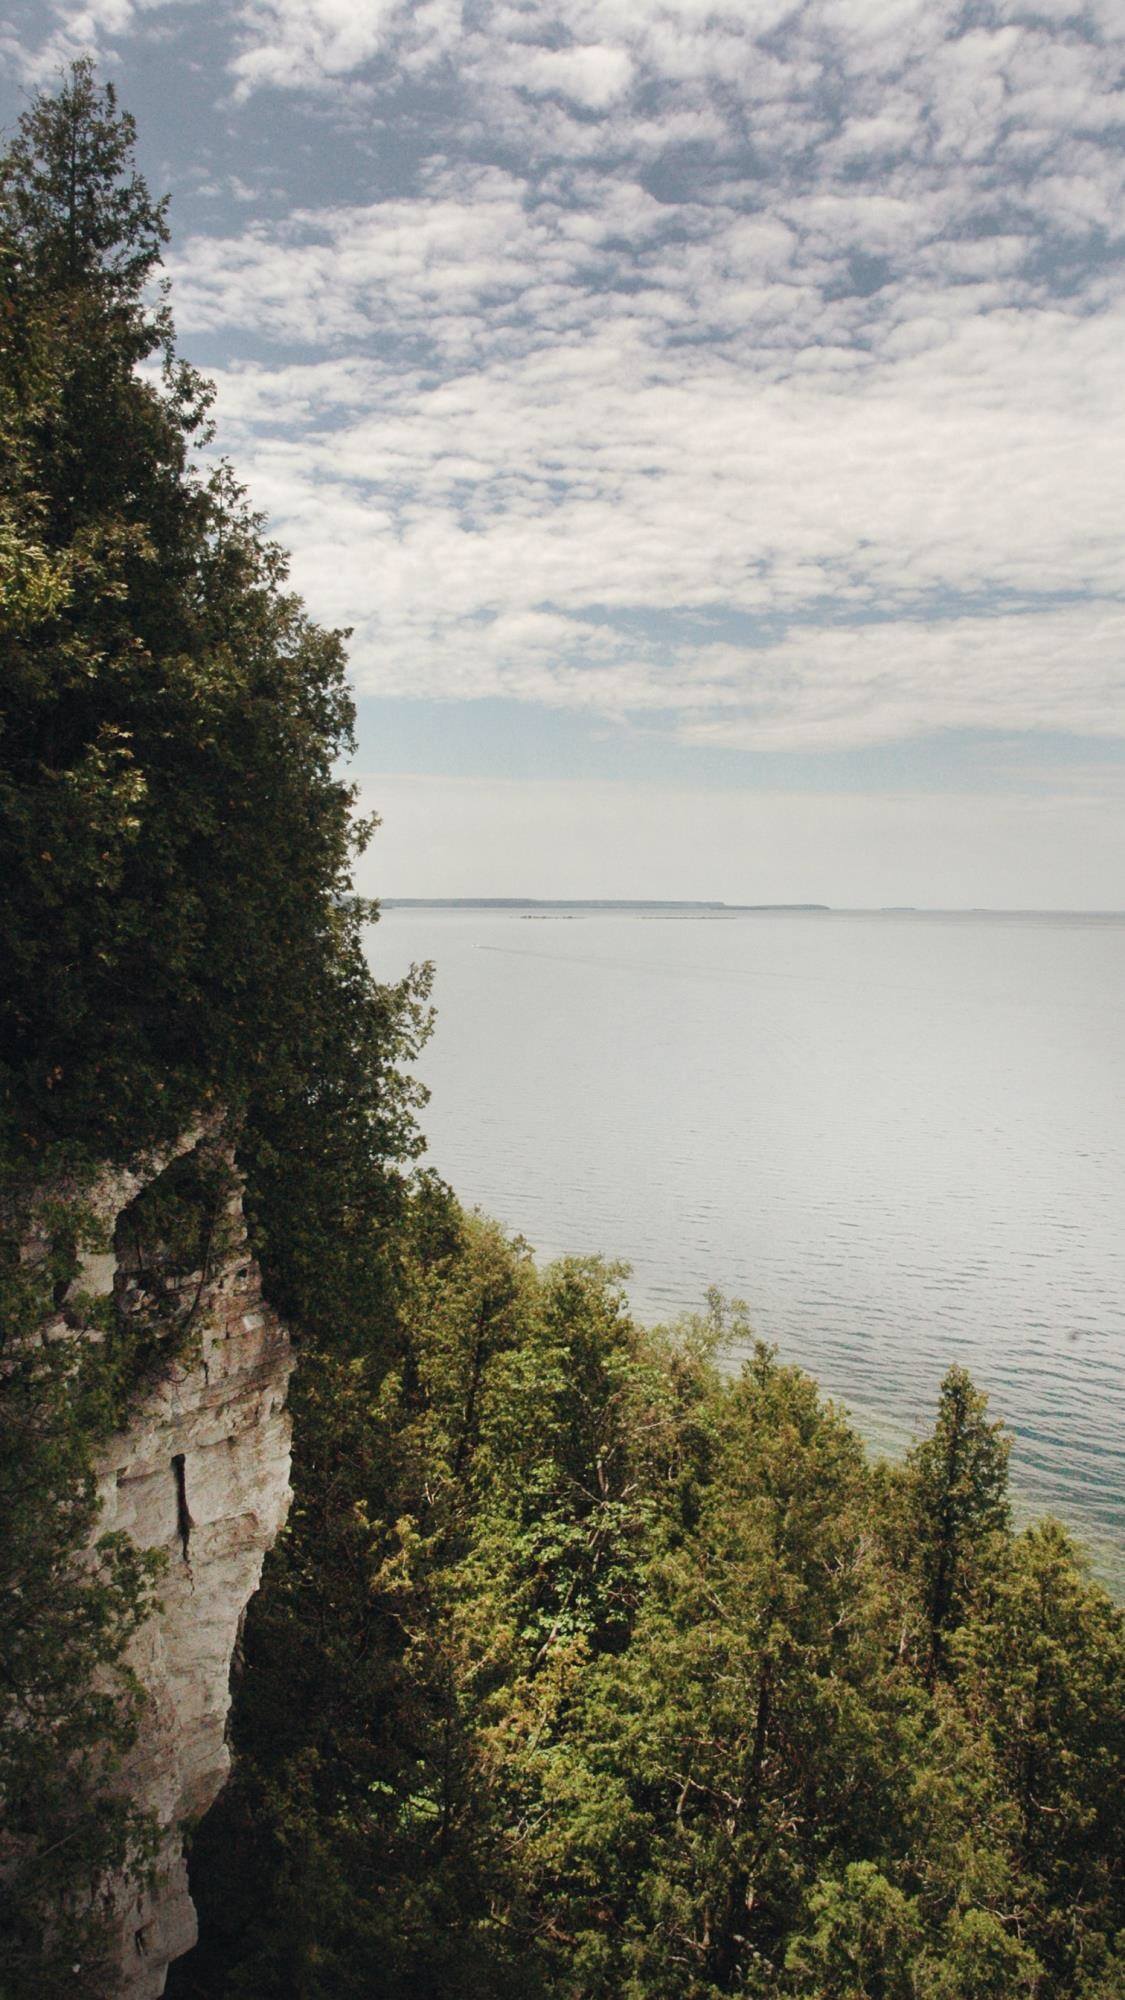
x=176, y=928
x=958, y=1510
x=175, y=841
x=1042, y=1663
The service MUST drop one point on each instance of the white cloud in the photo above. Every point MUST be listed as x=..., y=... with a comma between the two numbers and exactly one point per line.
x=592, y=75
x=291, y=43
x=84, y=30
x=771, y=391
x=604, y=425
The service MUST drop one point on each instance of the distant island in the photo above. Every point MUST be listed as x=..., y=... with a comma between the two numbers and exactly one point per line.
x=593, y=903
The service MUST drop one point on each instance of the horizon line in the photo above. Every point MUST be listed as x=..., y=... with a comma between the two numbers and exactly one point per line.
x=717, y=904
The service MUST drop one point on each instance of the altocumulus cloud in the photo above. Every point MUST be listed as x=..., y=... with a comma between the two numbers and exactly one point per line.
x=754, y=373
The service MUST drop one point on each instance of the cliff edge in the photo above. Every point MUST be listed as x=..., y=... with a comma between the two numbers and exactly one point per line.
x=201, y=1472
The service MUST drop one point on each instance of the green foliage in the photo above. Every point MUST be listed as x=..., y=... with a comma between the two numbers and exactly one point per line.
x=471, y=1512
x=958, y=1509
x=862, y=1937
x=175, y=841
x=177, y=931
x=1042, y=1668
x=68, y=1702
x=584, y=1672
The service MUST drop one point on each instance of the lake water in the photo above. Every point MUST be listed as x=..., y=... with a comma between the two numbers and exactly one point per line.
x=900, y=1138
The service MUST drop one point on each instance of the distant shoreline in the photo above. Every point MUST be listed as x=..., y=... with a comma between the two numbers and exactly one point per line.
x=583, y=903
x=673, y=907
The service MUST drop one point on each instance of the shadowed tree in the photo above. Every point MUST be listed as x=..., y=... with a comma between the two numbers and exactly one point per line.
x=959, y=1508
x=176, y=927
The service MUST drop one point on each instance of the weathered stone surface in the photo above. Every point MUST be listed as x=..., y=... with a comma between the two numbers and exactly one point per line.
x=202, y=1472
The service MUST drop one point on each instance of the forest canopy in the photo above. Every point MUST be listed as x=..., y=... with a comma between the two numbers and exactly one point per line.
x=588, y=1671
x=589, y=1667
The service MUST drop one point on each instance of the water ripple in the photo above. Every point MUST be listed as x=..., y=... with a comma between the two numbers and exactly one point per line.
x=901, y=1141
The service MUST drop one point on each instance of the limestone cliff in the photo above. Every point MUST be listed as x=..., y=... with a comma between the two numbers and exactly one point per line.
x=202, y=1472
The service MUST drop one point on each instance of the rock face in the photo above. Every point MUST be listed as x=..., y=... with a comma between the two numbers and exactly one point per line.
x=202, y=1472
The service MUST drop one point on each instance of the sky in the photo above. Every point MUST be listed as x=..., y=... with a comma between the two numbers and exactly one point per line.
x=709, y=419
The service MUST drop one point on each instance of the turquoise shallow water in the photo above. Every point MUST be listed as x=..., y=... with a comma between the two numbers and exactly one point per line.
x=900, y=1138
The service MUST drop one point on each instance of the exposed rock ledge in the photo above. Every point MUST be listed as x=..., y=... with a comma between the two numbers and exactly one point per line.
x=202, y=1472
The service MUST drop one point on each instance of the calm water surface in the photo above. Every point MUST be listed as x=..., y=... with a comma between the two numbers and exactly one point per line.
x=901, y=1139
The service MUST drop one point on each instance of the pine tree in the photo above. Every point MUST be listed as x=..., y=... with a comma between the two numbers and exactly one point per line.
x=959, y=1507
x=1042, y=1669
x=176, y=928
x=175, y=838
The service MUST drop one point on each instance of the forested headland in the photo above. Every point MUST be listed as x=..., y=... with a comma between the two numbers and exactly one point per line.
x=585, y=1667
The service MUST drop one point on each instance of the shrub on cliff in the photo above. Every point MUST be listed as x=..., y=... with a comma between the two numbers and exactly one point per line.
x=175, y=840
x=68, y=1702
x=176, y=929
